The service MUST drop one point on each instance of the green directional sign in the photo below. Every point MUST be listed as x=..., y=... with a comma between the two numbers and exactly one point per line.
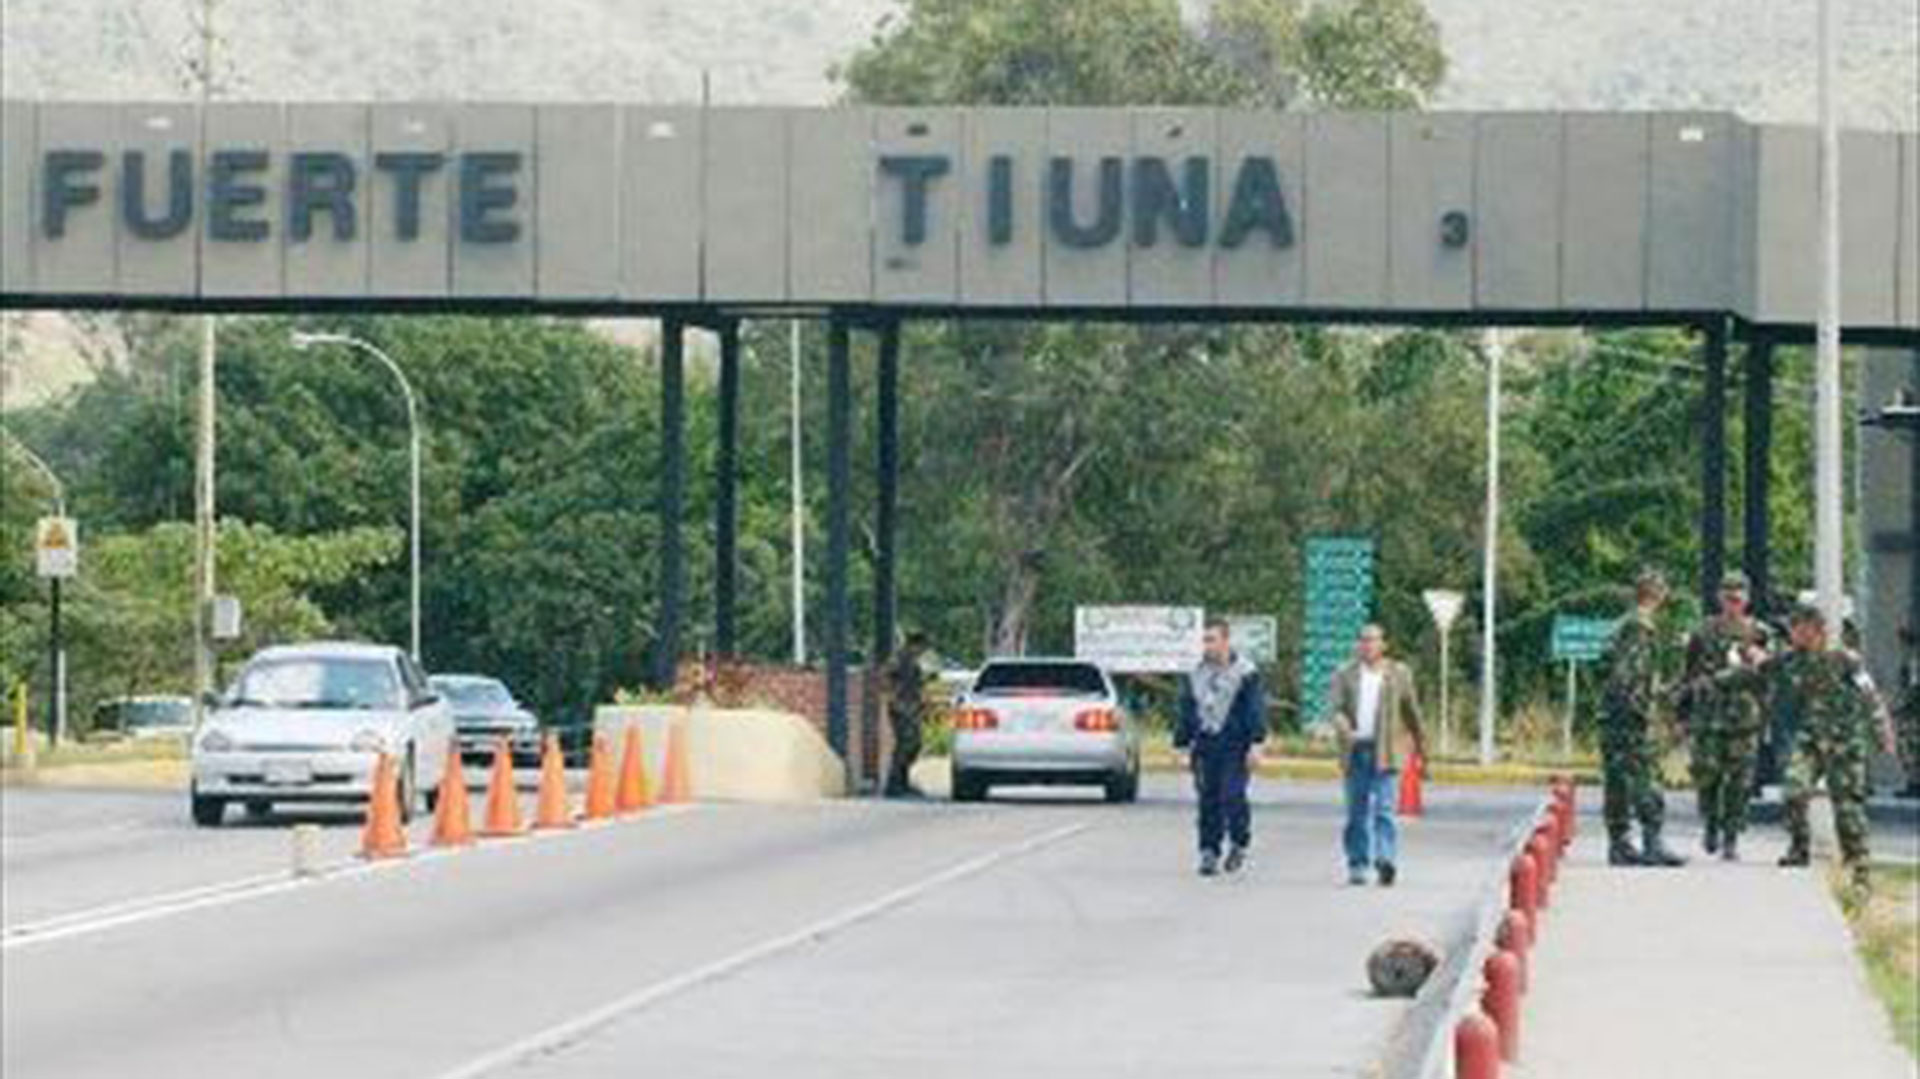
x=1339, y=602
x=1581, y=640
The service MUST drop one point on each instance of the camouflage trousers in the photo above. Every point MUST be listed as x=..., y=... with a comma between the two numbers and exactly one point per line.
x=1724, y=751
x=1630, y=775
x=1840, y=759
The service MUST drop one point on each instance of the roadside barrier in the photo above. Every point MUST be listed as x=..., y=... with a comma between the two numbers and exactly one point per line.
x=677, y=788
x=556, y=811
x=633, y=795
x=452, y=816
x=383, y=837
x=600, y=800
x=503, y=799
x=1467, y=1020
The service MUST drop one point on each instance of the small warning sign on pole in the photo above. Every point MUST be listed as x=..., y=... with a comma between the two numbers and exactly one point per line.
x=56, y=545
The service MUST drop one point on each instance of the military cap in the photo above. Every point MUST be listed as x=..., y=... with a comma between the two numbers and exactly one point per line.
x=1735, y=581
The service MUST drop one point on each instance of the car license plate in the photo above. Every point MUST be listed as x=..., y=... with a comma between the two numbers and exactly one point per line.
x=288, y=773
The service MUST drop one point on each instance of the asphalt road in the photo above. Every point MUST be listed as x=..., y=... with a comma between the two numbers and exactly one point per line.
x=1050, y=937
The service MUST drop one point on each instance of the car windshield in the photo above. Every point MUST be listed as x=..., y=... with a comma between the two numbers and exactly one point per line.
x=1040, y=680
x=136, y=714
x=319, y=682
x=474, y=693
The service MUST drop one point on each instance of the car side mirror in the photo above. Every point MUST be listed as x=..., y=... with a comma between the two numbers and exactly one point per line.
x=426, y=700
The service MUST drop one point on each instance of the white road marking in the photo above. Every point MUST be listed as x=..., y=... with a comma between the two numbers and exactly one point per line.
x=149, y=908
x=561, y=1037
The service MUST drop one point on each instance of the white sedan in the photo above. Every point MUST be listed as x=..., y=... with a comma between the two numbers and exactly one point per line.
x=307, y=723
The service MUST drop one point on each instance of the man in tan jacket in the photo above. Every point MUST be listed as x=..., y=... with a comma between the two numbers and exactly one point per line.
x=1373, y=702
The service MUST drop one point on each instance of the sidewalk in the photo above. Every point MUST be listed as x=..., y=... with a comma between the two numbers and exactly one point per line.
x=1741, y=970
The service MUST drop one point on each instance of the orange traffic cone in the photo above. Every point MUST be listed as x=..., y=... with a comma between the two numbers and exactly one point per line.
x=599, y=781
x=383, y=836
x=1411, y=804
x=633, y=794
x=677, y=787
x=503, y=801
x=554, y=810
x=452, y=823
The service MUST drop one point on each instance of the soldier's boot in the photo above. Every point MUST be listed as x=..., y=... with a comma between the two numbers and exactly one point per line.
x=1620, y=849
x=1711, y=840
x=1654, y=852
x=1730, y=847
x=1798, y=855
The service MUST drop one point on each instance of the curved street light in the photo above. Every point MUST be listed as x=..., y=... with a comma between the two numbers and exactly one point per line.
x=305, y=341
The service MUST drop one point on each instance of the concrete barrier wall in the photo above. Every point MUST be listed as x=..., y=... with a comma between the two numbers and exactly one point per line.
x=745, y=755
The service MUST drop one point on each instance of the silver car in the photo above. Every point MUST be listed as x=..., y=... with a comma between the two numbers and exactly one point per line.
x=484, y=712
x=307, y=723
x=1044, y=721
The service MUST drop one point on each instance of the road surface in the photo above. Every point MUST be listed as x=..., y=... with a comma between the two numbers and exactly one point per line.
x=1050, y=937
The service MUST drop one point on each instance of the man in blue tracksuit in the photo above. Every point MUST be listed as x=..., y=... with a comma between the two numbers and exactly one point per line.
x=1221, y=726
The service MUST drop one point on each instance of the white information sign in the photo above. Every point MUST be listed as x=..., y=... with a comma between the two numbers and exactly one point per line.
x=1139, y=640
x=56, y=546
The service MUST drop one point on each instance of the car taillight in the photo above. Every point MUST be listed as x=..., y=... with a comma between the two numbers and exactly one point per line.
x=975, y=719
x=1100, y=720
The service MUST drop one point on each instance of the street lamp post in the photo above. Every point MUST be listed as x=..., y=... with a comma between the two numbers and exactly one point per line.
x=1828, y=558
x=304, y=341
x=1489, y=581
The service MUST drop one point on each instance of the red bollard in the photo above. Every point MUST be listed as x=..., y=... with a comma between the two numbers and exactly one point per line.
x=1550, y=843
x=1523, y=888
x=1516, y=936
x=1537, y=847
x=1501, y=1001
x=1476, y=1048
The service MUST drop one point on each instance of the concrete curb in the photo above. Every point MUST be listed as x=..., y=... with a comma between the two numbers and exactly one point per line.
x=1421, y=1047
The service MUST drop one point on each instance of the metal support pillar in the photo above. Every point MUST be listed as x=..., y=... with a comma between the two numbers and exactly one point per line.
x=839, y=620
x=887, y=475
x=1713, y=463
x=673, y=464
x=1757, y=443
x=726, y=483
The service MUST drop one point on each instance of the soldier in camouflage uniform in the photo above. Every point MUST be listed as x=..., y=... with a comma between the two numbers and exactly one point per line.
x=906, y=711
x=1830, y=705
x=1724, y=717
x=1629, y=759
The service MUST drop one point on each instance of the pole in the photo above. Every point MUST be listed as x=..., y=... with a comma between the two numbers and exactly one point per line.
x=1446, y=716
x=1573, y=701
x=839, y=480
x=887, y=464
x=413, y=520
x=672, y=482
x=1713, y=462
x=204, y=510
x=203, y=523
x=797, y=479
x=1828, y=554
x=725, y=545
x=1758, y=439
x=1489, y=587
x=56, y=670
x=304, y=341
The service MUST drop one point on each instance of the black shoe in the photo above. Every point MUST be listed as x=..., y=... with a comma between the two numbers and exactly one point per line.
x=1209, y=864
x=1387, y=873
x=907, y=793
x=1730, y=850
x=1236, y=860
x=1621, y=853
x=1795, y=858
x=1655, y=853
x=1711, y=841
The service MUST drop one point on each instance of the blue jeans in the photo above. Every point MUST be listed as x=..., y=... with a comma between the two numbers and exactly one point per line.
x=1372, y=835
